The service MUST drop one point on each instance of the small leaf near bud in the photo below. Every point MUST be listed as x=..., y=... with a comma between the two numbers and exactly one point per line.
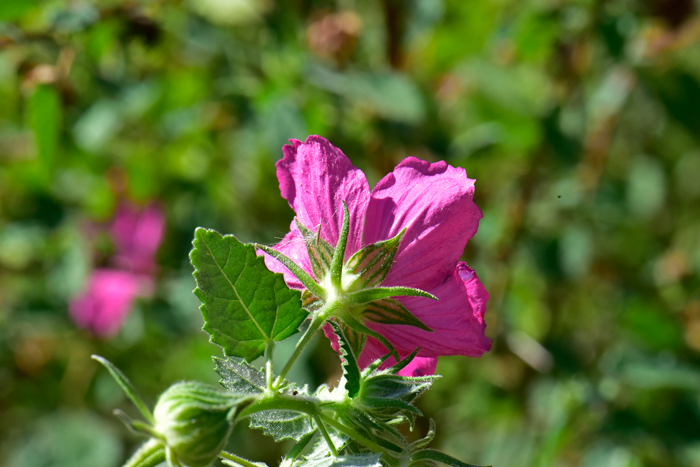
x=194, y=421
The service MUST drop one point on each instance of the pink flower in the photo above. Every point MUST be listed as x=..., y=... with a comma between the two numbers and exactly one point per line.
x=110, y=293
x=137, y=236
x=106, y=301
x=434, y=202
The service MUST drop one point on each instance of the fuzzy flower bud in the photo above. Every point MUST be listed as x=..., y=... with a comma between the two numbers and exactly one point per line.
x=195, y=422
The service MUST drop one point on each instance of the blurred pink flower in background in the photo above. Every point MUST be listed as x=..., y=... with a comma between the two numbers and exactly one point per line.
x=434, y=203
x=109, y=293
x=136, y=237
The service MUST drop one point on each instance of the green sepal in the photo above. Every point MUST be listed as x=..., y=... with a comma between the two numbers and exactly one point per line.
x=135, y=426
x=401, y=364
x=390, y=311
x=126, y=385
x=426, y=440
x=376, y=293
x=339, y=254
x=388, y=386
x=438, y=457
x=320, y=251
x=372, y=263
x=245, y=306
x=372, y=367
x=355, y=325
x=356, y=340
x=363, y=422
x=310, y=301
x=388, y=397
x=306, y=280
x=385, y=403
x=150, y=454
x=351, y=370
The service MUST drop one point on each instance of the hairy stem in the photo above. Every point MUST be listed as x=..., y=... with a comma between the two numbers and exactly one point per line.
x=269, y=375
x=238, y=460
x=325, y=434
x=317, y=321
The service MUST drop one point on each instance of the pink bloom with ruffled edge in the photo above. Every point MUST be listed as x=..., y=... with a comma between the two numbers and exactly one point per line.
x=434, y=202
x=106, y=301
x=109, y=293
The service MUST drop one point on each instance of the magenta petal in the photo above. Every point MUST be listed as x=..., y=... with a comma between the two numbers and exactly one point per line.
x=434, y=203
x=420, y=366
x=292, y=246
x=107, y=300
x=335, y=342
x=315, y=178
x=457, y=319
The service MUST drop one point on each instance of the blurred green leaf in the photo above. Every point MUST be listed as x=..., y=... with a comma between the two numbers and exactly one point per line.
x=11, y=10
x=44, y=116
x=68, y=439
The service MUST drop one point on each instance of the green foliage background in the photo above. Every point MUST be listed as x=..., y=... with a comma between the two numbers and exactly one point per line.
x=580, y=120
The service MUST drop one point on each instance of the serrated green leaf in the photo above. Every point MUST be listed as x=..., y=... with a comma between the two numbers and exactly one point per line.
x=358, y=460
x=440, y=457
x=372, y=263
x=245, y=306
x=241, y=377
x=282, y=424
x=347, y=354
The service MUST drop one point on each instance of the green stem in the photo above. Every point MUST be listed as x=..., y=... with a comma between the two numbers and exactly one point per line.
x=310, y=406
x=237, y=460
x=325, y=434
x=319, y=320
x=279, y=401
x=269, y=375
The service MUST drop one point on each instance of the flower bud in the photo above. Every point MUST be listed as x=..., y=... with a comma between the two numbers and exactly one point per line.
x=194, y=421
